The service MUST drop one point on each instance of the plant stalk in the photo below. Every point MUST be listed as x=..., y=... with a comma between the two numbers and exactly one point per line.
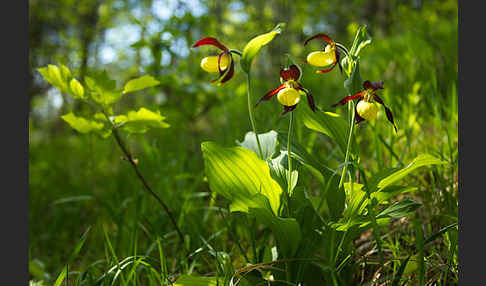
x=252, y=119
x=341, y=181
x=289, y=152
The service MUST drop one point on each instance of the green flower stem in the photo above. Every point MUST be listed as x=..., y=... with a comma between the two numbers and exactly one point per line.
x=252, y=119
x=341, y=181
x=289, y=152
x=129, y=157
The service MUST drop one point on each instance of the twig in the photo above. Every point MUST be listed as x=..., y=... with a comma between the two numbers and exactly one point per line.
x=144, y=182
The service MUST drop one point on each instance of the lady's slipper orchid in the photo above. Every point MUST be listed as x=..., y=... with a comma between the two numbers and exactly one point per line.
x=219, y=63
x=288, y=92
x=329, y=56
x=366, y=107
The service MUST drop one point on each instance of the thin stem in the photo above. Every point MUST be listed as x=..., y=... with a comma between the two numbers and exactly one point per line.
x=289, y=154
x=129, y=157
x=341, y=181
x=252, y=119
x=144, y=182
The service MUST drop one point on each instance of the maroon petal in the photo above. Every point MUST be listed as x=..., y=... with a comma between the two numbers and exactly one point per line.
x=292, y=72
x=310, y=98
x=374, y=85
x=230, y=73
x=221, y=72
x=323, y=37
x=210, y=41
x=388, y=112
x=327, y=70
x=288, y=109
x=227, y=75
x=348, y=98
x=270, y=94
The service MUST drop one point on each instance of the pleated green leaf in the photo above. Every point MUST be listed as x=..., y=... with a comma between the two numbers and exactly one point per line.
x=238, y=174
x=328, y=123
x=286, y=230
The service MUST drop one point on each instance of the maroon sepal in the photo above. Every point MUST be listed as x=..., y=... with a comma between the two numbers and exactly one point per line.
x=310, y=98
x=348, y=98
x=388, y=112
x=288, y=109
x=210, y=41
x=323, y=37
x=374, y=85
x=270, y=94
x=292, y=72
x=358, y=118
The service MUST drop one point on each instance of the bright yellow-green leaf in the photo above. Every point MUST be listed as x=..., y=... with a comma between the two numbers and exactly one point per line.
x=420, y=161
x=239, y=174
x=254, y=45
x=65, y=72
x=190, y=280
x=140, y=121
x=103, y=90
x=81, y=124
x=140, y=83
x=76, y=88
x=327, y=123
x=52, y=74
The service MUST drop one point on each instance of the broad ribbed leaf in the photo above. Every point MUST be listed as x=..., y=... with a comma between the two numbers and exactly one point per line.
x=328, y=123
x=319, y=170
x=140, y=121
x=268, y=142
x=238, y=174
x=140, y=83
x=357, y=201
x=420, y=161
x=286, y=230
x=254, y=45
